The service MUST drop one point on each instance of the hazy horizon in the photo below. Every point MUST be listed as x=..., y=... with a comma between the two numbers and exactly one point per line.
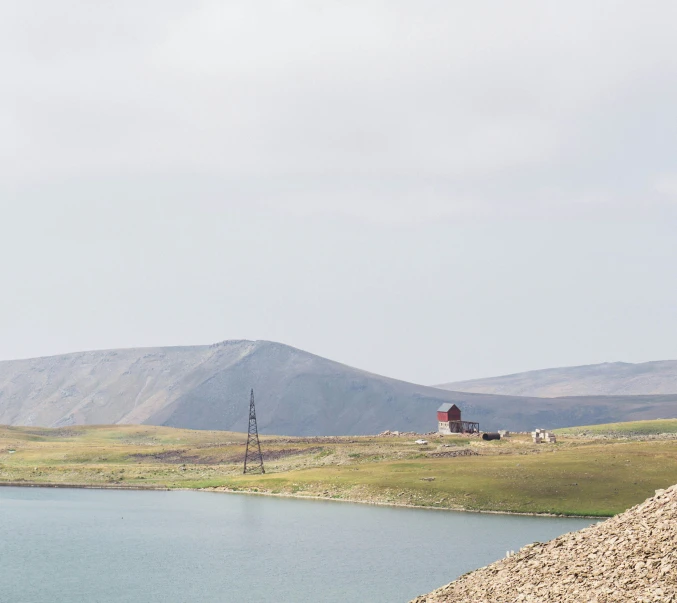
x=433, y=191
x=333, y=359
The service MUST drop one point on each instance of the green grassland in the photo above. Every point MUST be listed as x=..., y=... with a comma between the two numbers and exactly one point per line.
x=624, y=430
x=596, y=471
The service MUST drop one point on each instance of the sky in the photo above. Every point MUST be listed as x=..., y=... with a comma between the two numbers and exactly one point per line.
x=428, y=190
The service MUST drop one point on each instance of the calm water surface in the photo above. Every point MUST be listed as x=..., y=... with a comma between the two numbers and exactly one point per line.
x=106, y=546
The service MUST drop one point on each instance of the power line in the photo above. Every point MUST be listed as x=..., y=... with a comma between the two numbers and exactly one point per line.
x=253, y=458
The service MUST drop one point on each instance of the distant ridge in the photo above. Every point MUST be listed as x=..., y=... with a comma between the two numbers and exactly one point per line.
x=297, y=393
x=207, y=387
x=607, y=379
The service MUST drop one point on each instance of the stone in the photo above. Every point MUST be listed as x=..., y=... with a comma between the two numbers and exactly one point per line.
x=629, y=558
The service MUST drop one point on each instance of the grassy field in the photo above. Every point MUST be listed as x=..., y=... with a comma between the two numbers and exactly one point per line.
x=624, y=430
x=590, y=471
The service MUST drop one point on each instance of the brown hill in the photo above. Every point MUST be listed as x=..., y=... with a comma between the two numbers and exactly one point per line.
x=629, y=558
x=297, y=393
x=607, y=379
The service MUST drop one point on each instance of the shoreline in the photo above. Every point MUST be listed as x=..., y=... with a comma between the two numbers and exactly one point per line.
x=220, y=490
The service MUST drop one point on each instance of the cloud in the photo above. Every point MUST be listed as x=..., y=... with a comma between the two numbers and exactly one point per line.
x=381, y=110
x=667, y=185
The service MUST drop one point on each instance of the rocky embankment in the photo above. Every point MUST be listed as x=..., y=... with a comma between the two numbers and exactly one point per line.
x=630, y=558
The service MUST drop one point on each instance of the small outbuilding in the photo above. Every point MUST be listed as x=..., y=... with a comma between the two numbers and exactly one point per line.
x=448, y=412
x=541, y=435
x=449, y=421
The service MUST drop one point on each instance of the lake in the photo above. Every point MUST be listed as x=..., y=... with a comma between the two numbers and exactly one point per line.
x=112, y=546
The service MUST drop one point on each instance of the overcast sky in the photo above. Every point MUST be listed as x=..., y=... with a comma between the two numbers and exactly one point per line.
x=431, y=190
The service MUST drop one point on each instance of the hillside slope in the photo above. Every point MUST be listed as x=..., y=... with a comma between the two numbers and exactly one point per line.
x=297, y=393
x=608, y=379
x=208, y=387
x=628, y=558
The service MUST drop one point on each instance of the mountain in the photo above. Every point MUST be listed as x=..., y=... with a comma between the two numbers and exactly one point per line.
x=608, y=379
x=297, y=393
x=207, y=387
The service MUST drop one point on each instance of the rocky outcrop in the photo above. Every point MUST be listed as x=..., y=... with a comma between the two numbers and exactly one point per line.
x=630, y=558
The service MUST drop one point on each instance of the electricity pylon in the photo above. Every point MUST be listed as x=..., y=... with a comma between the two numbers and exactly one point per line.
x=253, y=459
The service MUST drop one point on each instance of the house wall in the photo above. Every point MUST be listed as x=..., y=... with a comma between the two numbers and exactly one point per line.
x=443, y=427
x=451, y=415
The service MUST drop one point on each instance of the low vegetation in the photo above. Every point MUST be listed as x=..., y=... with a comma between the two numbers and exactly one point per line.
x=630, y=429
x=597, y=471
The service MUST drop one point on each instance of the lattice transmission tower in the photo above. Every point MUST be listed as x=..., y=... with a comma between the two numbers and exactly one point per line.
x=253, y=459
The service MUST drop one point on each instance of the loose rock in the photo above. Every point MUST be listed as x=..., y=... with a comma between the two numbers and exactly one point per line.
x=629, y=558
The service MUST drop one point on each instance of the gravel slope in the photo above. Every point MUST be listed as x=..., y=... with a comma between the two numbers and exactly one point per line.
x=629, y=558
